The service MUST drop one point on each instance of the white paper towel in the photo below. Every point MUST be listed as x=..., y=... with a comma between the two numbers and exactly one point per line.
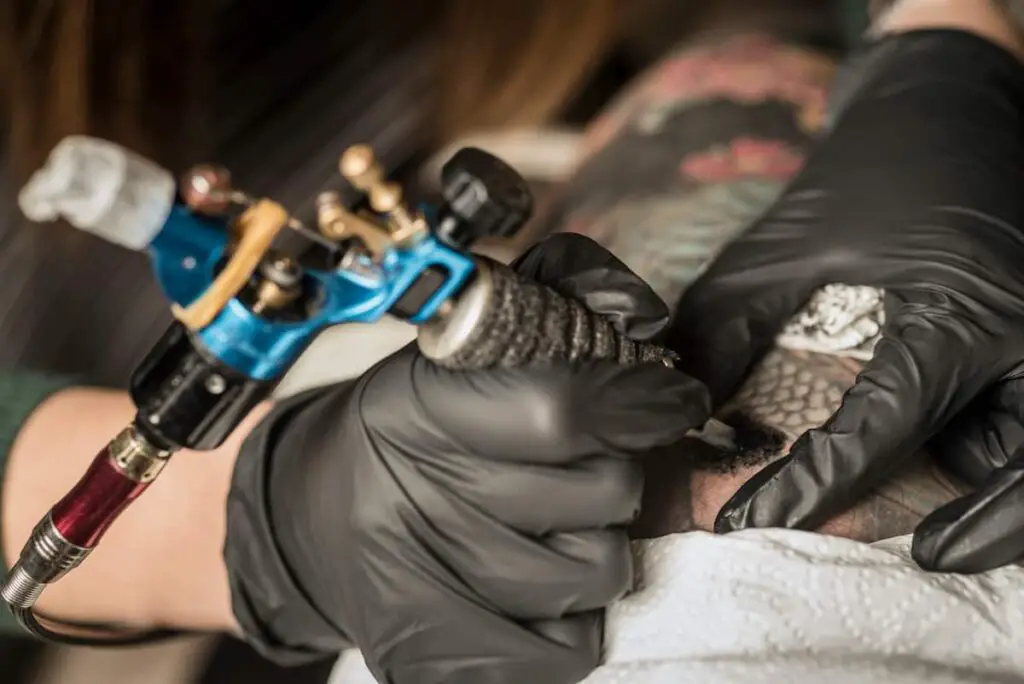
x=797, y=607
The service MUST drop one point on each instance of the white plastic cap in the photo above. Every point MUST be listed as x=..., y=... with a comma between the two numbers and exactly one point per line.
x=101, y=188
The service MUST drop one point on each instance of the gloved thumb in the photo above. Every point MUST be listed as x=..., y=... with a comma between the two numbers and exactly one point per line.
x=984, y=447
x=579, y=268
x=980, y=531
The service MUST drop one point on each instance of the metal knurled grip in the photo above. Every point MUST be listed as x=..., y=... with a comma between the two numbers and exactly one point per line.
x=505, y=320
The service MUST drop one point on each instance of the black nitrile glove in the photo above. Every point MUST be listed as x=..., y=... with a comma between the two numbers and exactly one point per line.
x=917, y=190
x=458, y=527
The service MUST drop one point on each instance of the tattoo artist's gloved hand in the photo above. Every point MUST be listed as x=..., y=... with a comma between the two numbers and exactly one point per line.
x=458, y=527
x=917, y=190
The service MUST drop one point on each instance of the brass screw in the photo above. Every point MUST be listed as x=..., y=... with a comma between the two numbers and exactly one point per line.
x=386, y=197
x=338, y=224
x=360, y=167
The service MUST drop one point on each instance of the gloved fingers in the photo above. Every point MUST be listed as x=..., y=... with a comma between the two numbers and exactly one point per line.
x=920, y=375
x=981, y=439
x=731, y=316
x=526, y=577
x=580, y=268
x=980, y=531
x=574, y=572
x=536, y=499
x=985, y=434
x=556, y=413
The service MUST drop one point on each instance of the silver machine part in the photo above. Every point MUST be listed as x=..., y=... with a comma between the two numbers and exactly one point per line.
x=457, y=324
x=46, y=558
x=135, y=457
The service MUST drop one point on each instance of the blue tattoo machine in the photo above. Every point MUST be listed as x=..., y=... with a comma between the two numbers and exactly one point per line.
x=245, y=308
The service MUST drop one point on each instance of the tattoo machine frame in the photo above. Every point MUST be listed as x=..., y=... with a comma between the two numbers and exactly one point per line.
x=245, y=308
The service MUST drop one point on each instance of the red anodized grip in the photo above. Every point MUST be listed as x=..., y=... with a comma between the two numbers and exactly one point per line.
x=87, y=511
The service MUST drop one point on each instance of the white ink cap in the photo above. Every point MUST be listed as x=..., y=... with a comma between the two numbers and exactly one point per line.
x=101, y=188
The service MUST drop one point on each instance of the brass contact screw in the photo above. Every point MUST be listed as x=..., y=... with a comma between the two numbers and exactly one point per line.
x=359, y=166
x=337, y=223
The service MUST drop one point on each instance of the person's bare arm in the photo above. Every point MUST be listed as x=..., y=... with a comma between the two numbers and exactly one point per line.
x=160, y=564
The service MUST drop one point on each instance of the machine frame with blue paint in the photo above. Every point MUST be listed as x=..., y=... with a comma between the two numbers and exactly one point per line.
x=246, y=309
x=189, y=251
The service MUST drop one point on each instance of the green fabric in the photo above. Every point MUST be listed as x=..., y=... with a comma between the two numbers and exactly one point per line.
x=20, y=394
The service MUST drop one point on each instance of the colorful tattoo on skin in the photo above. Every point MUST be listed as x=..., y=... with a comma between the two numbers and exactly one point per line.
x=746, y=70
x=692, y=153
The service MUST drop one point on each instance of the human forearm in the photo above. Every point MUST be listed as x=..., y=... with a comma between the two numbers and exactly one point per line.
x=160, y=563
x=1000, y=21
x=786, y=394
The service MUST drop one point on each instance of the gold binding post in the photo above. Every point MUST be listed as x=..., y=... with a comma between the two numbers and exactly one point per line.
x=359, y=166
x=336, y=223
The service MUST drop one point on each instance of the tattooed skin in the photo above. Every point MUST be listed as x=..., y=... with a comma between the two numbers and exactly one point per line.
x=679, y=165
x=788, y=393
x=693, y=152
x=794, y=391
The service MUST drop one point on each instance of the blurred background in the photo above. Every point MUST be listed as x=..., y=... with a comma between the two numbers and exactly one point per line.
x=277, y=90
